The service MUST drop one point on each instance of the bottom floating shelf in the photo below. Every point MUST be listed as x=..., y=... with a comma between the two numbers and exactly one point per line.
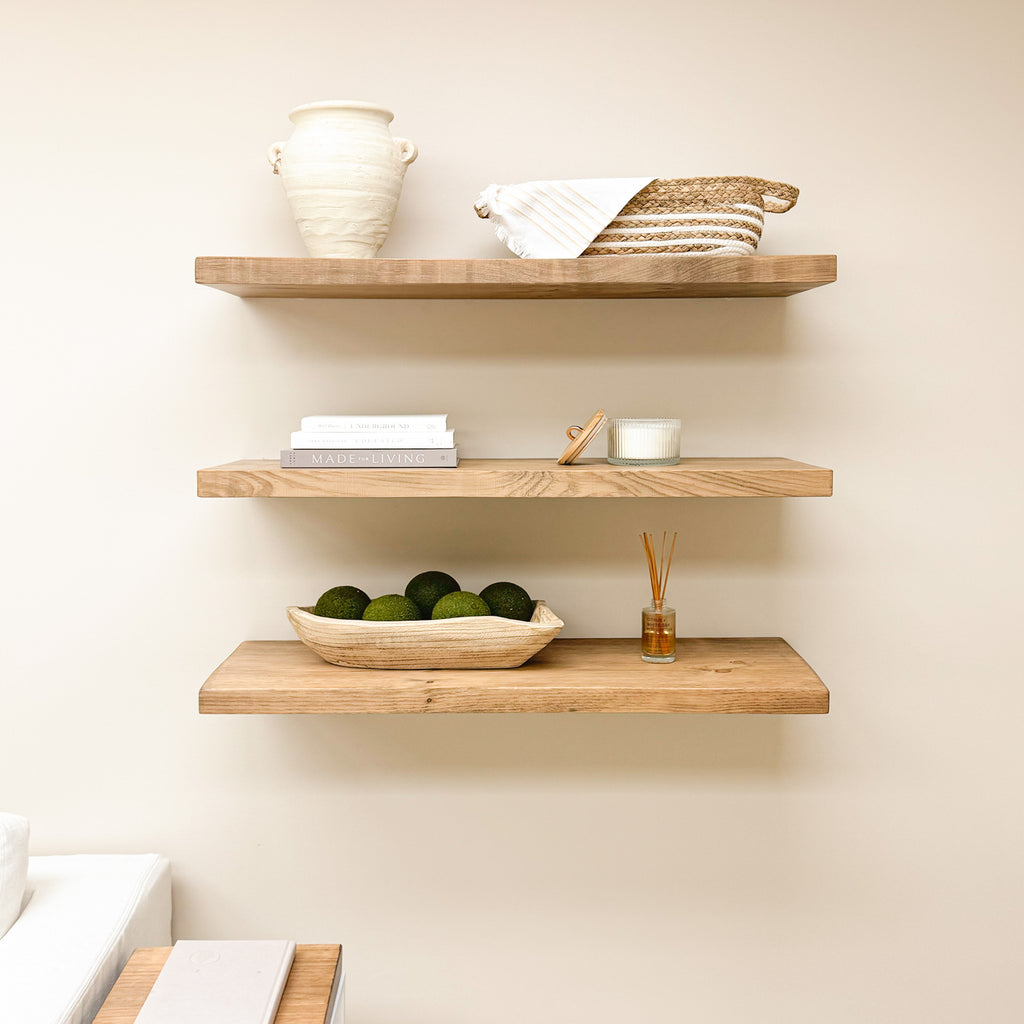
x=737, y=675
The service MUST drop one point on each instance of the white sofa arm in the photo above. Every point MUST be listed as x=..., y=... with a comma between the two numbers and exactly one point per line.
x=84, y=916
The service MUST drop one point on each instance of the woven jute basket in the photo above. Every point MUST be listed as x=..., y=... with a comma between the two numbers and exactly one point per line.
x=694, y=215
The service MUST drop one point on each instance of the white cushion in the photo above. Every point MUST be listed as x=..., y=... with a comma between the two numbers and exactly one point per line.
x=84, y=916
x=13, y=867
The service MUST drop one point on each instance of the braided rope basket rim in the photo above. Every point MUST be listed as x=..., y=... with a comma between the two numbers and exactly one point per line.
x=739, y=202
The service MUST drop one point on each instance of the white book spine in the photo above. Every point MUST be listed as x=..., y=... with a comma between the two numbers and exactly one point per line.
x=395, y=439
x=374, y=424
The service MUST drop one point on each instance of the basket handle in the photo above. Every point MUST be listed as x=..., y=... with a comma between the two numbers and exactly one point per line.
x=778, y=197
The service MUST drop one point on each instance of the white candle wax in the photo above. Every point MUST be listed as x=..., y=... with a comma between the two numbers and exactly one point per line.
x=633, y=441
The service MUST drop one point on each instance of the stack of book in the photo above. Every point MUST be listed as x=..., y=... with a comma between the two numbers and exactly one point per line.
x=372, y=442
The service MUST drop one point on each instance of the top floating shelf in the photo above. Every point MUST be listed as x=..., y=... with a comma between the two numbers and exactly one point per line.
x=600, y=277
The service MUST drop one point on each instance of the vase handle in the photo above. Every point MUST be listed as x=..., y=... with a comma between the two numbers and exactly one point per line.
x=407, y=151
x=274, y=156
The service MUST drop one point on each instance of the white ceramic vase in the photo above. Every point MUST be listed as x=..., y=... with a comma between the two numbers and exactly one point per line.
x=342, y=171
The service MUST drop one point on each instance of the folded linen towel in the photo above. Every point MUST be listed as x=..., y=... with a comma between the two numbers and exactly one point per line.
x=555, y=219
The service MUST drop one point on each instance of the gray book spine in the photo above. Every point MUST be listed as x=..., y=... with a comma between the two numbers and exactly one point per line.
x=370, y=458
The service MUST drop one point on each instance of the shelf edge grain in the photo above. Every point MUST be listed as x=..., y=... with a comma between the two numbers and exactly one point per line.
x=602, y=277
x=731, y=675
x=523, y=478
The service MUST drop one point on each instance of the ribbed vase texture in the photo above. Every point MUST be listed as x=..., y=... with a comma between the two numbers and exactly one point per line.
x=342, y=172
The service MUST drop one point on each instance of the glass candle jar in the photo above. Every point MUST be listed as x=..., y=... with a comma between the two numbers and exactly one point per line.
x=633, y=442
x=658, y=633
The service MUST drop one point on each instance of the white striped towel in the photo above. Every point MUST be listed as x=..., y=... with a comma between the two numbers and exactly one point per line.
x=555, y=219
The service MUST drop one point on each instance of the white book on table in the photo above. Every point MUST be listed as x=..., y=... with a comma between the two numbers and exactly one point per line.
x=220, y=982
x=395, y=439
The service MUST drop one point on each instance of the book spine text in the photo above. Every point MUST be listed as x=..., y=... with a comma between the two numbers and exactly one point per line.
x=373, y=424
x=381, y=458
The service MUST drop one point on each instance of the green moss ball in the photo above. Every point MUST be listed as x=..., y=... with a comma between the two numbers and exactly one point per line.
x=460, y=604
x=342, y=603
x=428, y=588
x=508, y=600
x=391, y=608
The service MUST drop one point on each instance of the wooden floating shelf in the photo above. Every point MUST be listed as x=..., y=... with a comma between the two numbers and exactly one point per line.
x=762, y=675
x=523, y=478
x=602, y=277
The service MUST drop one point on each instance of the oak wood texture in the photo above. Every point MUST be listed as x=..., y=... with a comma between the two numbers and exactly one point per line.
x=304, y=1000
x=475, y=641
x=600, y=277
x=523, y=478
x=761, y=675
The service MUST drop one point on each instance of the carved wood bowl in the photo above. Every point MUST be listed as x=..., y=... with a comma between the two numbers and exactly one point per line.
x=477, y=641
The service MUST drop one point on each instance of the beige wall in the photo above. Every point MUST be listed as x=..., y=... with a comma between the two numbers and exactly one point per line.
x=859, y=867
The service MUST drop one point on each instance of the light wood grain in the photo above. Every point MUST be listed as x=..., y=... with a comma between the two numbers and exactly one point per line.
x=304, y=1000
x=523, y=478
x=604, y=277
x=476, y=641
x=761, y=675
x=125, y=999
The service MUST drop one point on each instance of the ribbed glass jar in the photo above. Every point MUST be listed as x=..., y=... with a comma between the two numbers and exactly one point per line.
x=643, y=442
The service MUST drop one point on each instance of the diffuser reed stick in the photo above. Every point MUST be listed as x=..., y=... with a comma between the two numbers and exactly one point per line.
x=658, y=638
x=659, y=568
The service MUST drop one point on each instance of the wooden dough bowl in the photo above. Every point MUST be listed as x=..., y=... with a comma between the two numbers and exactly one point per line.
x=477, y=641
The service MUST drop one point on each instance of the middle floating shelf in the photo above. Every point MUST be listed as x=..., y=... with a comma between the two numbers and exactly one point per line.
x=524, y=478
x=723, y=675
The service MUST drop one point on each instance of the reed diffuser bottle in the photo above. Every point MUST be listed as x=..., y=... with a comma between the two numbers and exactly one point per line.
x=658, y=622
